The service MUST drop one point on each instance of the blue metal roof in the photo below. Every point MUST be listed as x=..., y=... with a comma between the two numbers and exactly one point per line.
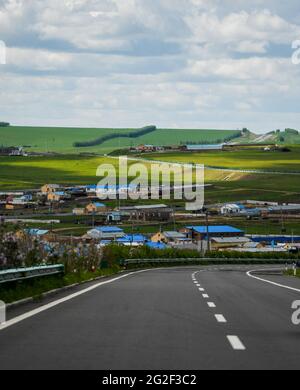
x=133, y=238
x=109, y=229
x=215, y=229
x=204, y=147
x=98, y=204
x=60, y=193
x=156, y=245
x=277, y=239
x=36, y=232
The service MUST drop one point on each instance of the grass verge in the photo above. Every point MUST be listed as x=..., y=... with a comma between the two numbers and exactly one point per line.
x=15, y=291
x=291, y=273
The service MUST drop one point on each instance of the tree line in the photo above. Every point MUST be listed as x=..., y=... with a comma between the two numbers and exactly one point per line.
x=99, y=141
x=216, y=141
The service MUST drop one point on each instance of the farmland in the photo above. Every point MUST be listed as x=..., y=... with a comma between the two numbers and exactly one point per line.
x=61, y=140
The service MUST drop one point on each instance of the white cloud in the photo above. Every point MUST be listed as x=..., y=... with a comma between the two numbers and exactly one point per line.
x=130, y=62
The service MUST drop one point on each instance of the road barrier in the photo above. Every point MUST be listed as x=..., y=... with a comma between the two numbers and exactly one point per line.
x=12, y=275
x=205, y=261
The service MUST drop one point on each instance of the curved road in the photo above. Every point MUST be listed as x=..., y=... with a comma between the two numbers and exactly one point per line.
x=178, y=318
x=208, y=167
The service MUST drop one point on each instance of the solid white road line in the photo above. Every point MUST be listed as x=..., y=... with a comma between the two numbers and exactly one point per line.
x=220, y=318
x=236, y=343
x=249, y=273
x=205, y=296
x=32, y=313
x=211, y=304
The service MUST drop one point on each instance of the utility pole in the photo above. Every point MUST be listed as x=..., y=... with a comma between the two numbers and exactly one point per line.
x=207, y=230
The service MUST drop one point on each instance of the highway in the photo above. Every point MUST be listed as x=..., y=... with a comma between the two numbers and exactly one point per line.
x=198, y=318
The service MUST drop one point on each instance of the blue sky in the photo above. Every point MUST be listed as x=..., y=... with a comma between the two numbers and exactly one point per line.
x=129, y=63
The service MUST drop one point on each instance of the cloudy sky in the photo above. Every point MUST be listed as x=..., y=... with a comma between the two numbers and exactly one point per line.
x=172, y=63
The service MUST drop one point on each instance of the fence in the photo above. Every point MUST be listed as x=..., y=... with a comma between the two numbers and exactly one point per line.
x=204, y=261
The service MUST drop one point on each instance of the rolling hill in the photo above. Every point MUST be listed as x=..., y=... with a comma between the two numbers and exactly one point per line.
x=66, y=140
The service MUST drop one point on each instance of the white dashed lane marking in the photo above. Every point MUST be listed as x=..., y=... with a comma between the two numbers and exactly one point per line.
x=220, y=318
x=211, y=304
x=236, y=343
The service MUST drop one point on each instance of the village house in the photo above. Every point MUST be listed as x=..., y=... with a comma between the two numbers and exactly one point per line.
x=91, y=190
x=132, y=240
x=145, y=148
x=232, y=208
x=228, y=242
x=170, y=237
x=48, y=188
x=40, y=234
x=156, y=212
x=17, y=206
x=78, y=211
x=58, y=196
x=110, y=233
x=95, y=207
x=12, y=151
x=114, y=217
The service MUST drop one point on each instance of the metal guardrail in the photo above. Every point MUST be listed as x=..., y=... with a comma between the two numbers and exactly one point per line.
x=210, y=260
x=11, y=275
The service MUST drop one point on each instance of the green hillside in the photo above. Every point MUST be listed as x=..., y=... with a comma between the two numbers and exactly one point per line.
x=286, y=137
x=61, y=140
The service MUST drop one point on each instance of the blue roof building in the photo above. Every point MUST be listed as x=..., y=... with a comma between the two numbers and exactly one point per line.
x=109, y=229
x=204, y=147
x=200, y=232
x=36, y=232
x=132, y=239
x=106, y=233
x=156, y=245
x=60, y=193
x=98, y=204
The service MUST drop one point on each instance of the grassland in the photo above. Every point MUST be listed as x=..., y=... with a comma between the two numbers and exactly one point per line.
x=243, y=159
x=32, y=172
x=61, y=140
x=234, y=186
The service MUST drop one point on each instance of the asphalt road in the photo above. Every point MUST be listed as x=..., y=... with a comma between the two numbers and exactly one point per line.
x=159, y=319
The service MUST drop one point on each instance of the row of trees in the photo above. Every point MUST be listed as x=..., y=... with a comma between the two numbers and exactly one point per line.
x=110, y=136
x=216, y=141
x=4, y=124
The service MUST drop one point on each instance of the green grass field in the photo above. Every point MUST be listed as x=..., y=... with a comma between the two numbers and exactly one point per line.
x=60, y=140
x=32, y=172
x=243, y=159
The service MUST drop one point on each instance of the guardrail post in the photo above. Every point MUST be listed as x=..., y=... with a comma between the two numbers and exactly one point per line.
x=2, y=313
x=295, y=269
